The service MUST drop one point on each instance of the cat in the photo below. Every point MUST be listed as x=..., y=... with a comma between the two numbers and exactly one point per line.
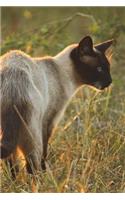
x=36, y=91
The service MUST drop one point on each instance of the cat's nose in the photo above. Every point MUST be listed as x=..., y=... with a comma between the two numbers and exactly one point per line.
x=109, y=81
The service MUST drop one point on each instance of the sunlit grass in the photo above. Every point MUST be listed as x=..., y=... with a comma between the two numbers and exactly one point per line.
x=86, y=152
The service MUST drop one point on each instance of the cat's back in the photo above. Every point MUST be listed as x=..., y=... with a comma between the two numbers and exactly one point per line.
x=16, y=59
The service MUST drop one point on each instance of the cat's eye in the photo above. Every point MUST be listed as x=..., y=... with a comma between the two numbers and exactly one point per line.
x=99, y=69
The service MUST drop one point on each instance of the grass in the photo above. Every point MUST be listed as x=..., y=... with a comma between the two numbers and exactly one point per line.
x=87, y=151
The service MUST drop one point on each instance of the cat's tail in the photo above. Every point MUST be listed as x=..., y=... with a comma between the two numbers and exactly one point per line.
x=15, y=104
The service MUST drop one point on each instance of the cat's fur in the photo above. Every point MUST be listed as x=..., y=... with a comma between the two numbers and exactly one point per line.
x=36, y=91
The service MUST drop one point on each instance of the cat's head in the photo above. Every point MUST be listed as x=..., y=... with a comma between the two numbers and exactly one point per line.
x=91, y=64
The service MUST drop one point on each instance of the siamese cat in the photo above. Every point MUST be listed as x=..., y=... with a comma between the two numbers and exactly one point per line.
x=36, y=91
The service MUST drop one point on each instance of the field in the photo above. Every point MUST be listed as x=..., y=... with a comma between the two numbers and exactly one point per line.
x=87, y=151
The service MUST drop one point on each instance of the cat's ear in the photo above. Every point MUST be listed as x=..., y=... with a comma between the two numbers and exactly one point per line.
x=104, y=45
x=86, y=46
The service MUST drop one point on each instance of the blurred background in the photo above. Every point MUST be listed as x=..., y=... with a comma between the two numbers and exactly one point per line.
x=30, y=29
x=87, y=151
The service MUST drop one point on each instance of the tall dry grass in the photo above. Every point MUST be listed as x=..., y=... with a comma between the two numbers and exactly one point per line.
x=87, y=151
